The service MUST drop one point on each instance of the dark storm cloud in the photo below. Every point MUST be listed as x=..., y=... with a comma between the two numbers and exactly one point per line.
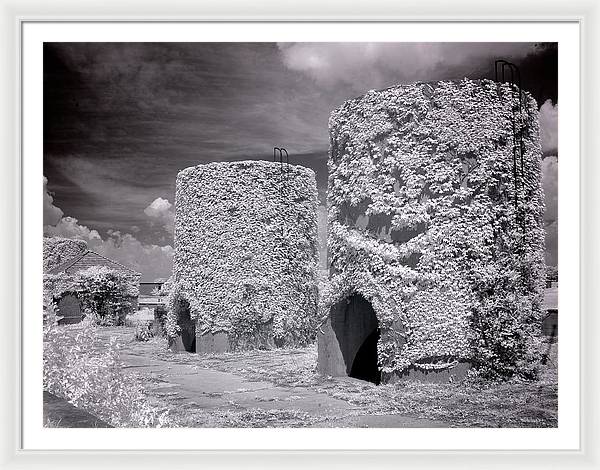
x=358, y=67
x=120, y=120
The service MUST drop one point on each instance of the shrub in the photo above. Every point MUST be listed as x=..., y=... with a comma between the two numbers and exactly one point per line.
x=506, y=336
x=160, y=317
x=165, y=289
x=143, y=331
x=106, y=294
x=93, y=379
x=139, y=316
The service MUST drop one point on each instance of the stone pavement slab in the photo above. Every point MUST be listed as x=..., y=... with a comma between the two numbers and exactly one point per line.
x=179, y=381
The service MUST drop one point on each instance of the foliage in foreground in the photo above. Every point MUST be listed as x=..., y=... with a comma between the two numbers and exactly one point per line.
x=92, y=378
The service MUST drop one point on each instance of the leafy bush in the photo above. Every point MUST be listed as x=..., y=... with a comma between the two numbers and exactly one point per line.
x=93, y=380
x=106, y=295
x=139, y=316
x=506, y=344
x=165, y=289
x=143, y=331
x=506, y=338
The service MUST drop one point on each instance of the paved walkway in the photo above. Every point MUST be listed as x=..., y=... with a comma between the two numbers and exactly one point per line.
x=200, y=389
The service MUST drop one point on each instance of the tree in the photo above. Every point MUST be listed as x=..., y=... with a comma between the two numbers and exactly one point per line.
x=105, y=294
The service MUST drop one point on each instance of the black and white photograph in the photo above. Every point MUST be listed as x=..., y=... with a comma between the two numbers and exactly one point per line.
x=300, y=235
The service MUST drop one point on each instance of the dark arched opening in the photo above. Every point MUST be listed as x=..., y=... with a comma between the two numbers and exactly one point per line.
x=187, y=326
x=357, y=330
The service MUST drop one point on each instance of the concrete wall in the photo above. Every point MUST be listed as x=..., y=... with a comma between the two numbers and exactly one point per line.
x=212, y=342
x=330, y=358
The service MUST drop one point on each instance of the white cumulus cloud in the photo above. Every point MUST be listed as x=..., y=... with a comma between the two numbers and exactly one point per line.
x=152, y=261
x=52, y=214
x=161, y=210
x=550, y=184
x=69, y=227
x=158, y=207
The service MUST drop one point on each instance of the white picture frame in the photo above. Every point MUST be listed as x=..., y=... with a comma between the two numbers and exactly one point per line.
x=15, y=14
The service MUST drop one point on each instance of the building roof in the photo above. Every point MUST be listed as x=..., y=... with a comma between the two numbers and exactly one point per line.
x=88, y=259
x=551, y=298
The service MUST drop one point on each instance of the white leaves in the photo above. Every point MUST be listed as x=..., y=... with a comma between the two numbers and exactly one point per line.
x=246, y=248
x=439, y=156
x=91, y=376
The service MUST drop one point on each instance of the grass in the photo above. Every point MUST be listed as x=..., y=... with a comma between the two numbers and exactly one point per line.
x=509, y=404
x=459, y=404
x=462, y=404
x=236, y=416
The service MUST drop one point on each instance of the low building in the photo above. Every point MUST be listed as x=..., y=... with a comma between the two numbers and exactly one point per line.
x=58, y=279
x=88, y=259
x=150, y=295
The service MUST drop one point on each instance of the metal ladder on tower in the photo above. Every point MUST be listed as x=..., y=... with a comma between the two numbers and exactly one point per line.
x=281, y=155
x=500, y=68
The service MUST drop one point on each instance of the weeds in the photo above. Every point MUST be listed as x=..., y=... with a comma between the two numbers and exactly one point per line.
x=471, y=403
x=90, y=376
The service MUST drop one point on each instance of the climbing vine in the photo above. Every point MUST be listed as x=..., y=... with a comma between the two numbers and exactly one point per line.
x=427, y=221
x=246, y=252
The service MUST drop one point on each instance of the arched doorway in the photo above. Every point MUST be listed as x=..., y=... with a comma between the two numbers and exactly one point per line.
x=357, y=331
x=187, y=326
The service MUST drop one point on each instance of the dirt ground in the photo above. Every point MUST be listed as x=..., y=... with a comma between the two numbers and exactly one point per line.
x=280, y=388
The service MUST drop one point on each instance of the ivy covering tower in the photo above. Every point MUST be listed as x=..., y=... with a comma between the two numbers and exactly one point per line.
x=245, y=263
x=436, y=234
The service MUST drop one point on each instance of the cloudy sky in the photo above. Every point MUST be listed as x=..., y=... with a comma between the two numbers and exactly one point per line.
x=120, y=120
